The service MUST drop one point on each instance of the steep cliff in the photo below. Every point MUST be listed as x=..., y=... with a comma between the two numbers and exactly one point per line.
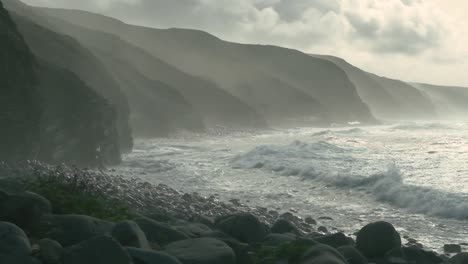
x=19, y=98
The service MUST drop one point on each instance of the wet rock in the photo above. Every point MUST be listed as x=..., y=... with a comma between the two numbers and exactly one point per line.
x=417, y=255
x=322, y=229
x=72, y=229
x=141, y=256
x=452, y=248
x=461, y=258
x=99, y=250
x=202, y=251
x=24, y=210
x=276, y=240
x=13, y=241
x=352, y=255
x=241, y=250
x=335, y=240
x=322, y=254
x=129, y=234
x=160, y=233
x=194, y=230
x=282, y=226
x=376, y=239
x=244, y=227
x=309, y=220
x=19, y=260
x=325, y=218
x=50, y=251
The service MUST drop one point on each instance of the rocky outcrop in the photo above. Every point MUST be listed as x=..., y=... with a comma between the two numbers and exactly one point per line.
x=20, y=109
x=67, y=53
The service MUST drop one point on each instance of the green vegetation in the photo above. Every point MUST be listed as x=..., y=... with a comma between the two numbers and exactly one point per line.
x=77, y=194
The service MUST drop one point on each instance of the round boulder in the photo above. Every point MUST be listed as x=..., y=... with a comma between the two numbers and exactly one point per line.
x=202, y=251
x=160, y=233
x=244, y=227
x=13, y=241
x=461, y=258
x=322, y=254
x=376, y=239
x=99, y=250
x=50, y=251
x=24, y=209
x=141, y=256
x=282, y=226
x=352, y=255
x=129, y=234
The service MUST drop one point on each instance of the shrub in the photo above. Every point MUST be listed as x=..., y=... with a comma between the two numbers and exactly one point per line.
x=76, y=193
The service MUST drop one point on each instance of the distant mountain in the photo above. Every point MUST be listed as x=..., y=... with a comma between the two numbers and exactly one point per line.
x=451, y=102
x=66, y=52
x=388, y=99
x=278, y=83
x=20, y=109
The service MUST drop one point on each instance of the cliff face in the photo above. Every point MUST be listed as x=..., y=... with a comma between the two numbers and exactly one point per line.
x=78, y=126
x=47, y=112
x=19, y=99
x=68, y=53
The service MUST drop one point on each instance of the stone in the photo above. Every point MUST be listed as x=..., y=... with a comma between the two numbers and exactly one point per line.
x=276, y=240
x=417, y=255
x=13, y=241
x=452, y=248
x=322, y=254
x=194, y=230
x=335, y=240
x=202, y=251
x=282, y=226
x=376, y=239
x=98, y=250
x=352, y=255
x=160, y=233
x=24, y=209
x=244, y=227
x=461, y=258
x=50, y=251
x=129, y=234
x=142, y=256
x=69, y=230
x=322, y=229
x=309, y=220
x=18, y=260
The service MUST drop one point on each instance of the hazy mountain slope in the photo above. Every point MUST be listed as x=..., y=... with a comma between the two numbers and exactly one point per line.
x=383, y=105
x=451, y=102
x=78, y=126
x=214, y=105
x=19, y=99
x=67, y=53
x=414, y=104
x=232, y=65
x=156, y=108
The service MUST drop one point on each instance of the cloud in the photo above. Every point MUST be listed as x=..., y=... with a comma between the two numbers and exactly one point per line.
x=364, y=32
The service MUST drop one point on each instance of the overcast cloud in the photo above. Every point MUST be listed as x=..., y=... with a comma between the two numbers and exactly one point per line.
x=415, y=40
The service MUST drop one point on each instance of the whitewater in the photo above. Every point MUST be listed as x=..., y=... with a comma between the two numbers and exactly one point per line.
x=414, y=175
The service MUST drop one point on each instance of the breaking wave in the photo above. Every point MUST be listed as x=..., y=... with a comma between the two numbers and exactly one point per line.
x=326, y=163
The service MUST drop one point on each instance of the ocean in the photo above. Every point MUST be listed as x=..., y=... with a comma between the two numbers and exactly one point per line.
x=414, y=175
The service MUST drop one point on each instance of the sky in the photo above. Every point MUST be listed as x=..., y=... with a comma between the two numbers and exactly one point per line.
x=412, y=40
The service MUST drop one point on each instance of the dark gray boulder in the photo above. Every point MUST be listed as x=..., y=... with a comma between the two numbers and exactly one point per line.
x=461, y=258
x=13, y=241
x=194, y=230
x=452, y=248
x=376, y=239
x=23, y=209
x=244, y=227
x=282, y=226
x=50, y=251
x=72, y=229
x=202, y=251
x=129, y=234
x=99, y=250
x=141, y=256
x=19, y=260
x=322, y=254
x=352, y=255
x=160, y=233
x=335, y=240
x=276, y=240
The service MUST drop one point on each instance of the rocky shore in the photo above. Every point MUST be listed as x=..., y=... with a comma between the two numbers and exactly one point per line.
x=145, y=224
